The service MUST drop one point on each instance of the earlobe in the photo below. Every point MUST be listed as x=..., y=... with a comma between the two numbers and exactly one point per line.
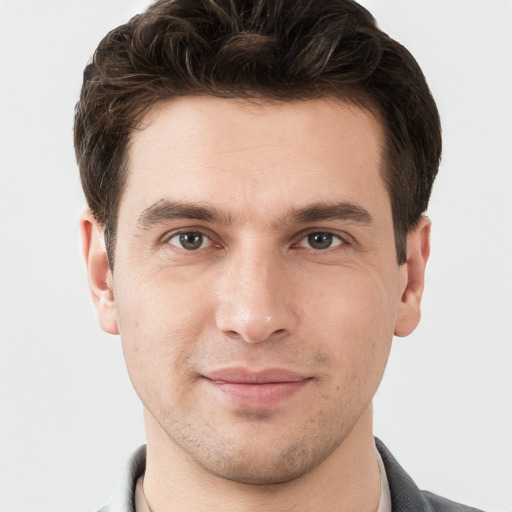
x=98, y=272
x=418, y=251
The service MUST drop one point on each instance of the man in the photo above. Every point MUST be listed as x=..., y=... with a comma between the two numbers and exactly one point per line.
x=257, y=175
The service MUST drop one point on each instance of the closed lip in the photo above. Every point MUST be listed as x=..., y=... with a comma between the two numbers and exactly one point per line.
x=242, y=375
x=256, y=390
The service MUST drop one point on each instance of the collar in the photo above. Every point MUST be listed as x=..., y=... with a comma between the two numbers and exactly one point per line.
x=405, y=495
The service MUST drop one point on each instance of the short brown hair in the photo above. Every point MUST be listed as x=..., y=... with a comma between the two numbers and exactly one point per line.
x=269, y=49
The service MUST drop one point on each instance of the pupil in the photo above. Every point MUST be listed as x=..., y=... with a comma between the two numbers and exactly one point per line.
x=320, y=240
x=191, y=240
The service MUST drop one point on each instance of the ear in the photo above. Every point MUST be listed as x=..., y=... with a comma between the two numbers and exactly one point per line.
x=418, y=251
x=98, y=272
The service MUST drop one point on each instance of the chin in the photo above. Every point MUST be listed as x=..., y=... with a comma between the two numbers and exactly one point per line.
x=255, y=471
x=270, y=461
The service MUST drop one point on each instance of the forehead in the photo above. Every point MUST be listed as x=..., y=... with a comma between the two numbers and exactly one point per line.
x=236, y=152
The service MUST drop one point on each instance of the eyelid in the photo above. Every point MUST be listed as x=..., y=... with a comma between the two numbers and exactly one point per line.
x=346, y=238
x=205, y=241
x=337, y=242
x=184, y=230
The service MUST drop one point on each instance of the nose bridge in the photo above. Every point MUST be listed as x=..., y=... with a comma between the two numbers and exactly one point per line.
x=252, y=300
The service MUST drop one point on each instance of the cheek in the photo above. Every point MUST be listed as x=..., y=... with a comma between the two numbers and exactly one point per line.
x=161, y=308
x=159, y=324
x=354, y=316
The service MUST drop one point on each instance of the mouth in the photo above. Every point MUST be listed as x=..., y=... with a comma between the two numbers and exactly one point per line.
x=262, y=389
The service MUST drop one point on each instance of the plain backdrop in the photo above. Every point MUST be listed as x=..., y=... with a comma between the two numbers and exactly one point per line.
x=68, y=416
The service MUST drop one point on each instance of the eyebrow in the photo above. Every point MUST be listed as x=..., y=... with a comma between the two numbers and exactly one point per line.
x=345, y=211
x=166, y=210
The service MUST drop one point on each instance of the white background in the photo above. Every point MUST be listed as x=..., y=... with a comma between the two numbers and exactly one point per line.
x=68, y=415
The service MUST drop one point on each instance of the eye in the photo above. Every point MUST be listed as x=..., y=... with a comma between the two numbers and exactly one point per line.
x=321, y=241
x=189, y=240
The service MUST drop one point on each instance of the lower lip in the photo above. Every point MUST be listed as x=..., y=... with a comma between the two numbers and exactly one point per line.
x=258, y=396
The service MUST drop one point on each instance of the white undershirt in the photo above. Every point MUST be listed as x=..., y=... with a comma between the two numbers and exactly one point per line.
x=384, y=503
x=385, y=493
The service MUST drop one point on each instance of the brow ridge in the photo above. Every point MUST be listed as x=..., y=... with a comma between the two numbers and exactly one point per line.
x=166, y=210
x=343, y=210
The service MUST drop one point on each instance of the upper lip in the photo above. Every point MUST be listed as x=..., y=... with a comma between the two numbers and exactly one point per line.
x=240, y=375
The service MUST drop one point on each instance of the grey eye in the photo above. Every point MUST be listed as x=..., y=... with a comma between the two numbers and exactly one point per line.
x=320, y=241
x=190, y=240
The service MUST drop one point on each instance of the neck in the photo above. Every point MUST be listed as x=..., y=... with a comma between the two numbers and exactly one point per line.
x=347, y=480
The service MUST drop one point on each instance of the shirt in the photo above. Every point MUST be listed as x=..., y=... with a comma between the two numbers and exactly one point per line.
x=404, y=493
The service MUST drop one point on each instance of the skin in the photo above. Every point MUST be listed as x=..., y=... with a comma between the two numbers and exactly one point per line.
x=271, y=284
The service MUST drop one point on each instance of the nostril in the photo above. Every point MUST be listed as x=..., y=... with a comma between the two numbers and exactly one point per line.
x=254, y=321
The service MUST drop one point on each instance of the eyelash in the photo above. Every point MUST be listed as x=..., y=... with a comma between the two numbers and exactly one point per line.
x=343, y=239
x=166, y=239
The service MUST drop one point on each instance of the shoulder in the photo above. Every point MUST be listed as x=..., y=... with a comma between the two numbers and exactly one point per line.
x=438, y=503
x=405, y=494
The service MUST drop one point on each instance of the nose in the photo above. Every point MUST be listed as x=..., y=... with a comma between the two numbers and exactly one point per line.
x=256, y=301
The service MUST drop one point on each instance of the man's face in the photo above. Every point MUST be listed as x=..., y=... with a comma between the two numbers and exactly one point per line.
x=256, y=288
